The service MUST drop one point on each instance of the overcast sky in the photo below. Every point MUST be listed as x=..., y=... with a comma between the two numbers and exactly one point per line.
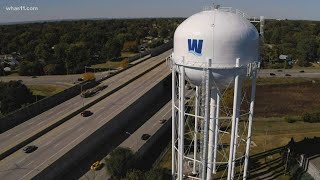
x=79, y=9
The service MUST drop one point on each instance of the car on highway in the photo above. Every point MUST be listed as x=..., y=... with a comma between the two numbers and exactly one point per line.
x=272, y=74
x=34, y=77
x=97, y=166
x=287, y=74
x=279, y=70
x=80, y=79
x=145, y=137
x=162, y=121
x=302, y=71
x=29, y=148
x=86, y=113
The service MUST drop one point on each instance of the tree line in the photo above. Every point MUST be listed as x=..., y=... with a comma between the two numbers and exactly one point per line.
x=68, y=46
x=297, y=38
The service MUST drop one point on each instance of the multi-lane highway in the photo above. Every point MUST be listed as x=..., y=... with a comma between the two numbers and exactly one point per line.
x=54, y=144
x=134, y=141
x=22, y=132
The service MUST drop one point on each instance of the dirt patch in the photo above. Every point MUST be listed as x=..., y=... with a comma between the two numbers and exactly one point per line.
x=287, y=99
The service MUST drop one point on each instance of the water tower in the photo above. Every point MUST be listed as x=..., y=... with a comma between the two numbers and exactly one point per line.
x=214, y=50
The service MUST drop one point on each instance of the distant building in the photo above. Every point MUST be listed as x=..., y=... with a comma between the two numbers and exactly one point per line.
x=7, y=69
x=9, y=59
x=287, y=58
x=5, y=57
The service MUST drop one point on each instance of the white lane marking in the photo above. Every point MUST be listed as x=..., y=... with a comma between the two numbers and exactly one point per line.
x=52, y=156
x=8, y=135
x=29, y=163
x=21, y=160
x=80, y=129
x=30, y=123
x=47, y=143
x=59, y=112
x=41, y=122
x=56, y=145
x=100, y=116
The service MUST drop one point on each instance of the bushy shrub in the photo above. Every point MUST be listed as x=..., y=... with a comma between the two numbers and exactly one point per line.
x=311, y=117
x=292, y=119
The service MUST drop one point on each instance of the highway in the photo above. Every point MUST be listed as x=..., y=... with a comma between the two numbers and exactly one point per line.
x=134, y=141
x=60, y=80
x=62, y=139
x=294, y=73
x=36, y=124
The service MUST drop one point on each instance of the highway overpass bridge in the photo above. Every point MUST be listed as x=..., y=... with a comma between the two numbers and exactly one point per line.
x=64, y=137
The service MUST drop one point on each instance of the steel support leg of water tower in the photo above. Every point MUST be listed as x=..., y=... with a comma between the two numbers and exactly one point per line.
x=206, y=123
x=181, y=122
x=253, y=95
x=234, y=129
x=216, y=133
x=195, y=135
x=212, y=125
x=173, y=160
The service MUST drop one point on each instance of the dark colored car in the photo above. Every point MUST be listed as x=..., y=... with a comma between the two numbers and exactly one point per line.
x=34, y=77
x=279, y=70
x=86, y=113
x=288, y=75
x=30, y=148
x=302, y=71
x=145, y=136
x=80, y=79
x=272, y=74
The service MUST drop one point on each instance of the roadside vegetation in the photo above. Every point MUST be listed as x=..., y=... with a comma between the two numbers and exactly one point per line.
x=300, y=40
x=45, y=90
x=66, y=47
x=121, y=162
x=13, y=95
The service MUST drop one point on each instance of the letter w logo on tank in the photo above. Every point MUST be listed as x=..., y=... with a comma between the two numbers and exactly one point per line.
x=195, y=46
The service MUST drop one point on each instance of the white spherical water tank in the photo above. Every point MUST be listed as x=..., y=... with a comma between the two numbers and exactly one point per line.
x=220, y=36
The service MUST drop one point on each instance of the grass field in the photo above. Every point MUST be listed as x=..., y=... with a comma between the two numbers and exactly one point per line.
x=45, y=90
x=276, y=98
x=312, y=66
x=114, y=64
x=108, y=65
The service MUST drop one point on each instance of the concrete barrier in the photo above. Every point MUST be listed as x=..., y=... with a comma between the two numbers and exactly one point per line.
x=108, y=130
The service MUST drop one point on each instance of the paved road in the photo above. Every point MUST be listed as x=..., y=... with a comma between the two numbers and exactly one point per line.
x=134, y=141
x=27, y=129
x=65, y=137
x=294, y=73
x=60, y=80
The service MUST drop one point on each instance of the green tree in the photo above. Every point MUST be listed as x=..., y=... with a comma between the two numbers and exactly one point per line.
x=13, y=95
x=156, y=174
x=27, y=68
x=119, y=161
x=78, y=56
x=134, y=175
x=112, y=49
x=41, y=51
x=53, y=69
